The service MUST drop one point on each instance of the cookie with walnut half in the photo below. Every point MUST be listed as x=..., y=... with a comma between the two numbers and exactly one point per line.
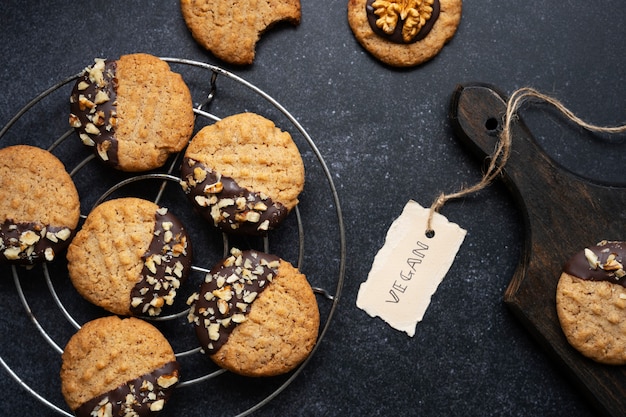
x=243, y=174
x=255, y=314
x=134, y=112
x=118, y=367
x=130, y=257
x=591, y=302
x=39, y=205
x=404, y=33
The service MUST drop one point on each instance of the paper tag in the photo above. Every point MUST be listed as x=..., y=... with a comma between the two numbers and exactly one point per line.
x=409, y=267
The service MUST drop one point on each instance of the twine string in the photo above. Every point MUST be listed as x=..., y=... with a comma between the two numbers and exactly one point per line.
x=502, y=151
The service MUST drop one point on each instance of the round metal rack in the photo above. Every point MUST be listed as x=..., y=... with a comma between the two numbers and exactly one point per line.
x=161, y=186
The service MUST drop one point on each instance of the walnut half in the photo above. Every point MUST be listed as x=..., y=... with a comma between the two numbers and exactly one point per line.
x=414, y=14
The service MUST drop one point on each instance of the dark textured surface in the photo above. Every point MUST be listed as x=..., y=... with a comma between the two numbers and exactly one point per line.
x=385, y=136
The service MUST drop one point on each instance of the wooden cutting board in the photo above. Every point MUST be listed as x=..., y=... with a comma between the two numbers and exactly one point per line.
x=563, y=213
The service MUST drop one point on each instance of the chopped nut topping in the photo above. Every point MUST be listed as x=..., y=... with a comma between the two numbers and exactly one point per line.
x=265, y=225
x=98, y=118
x=157, y=302
x=249, y=297
x=612, y=264
x=150, y=264
x=238, y=318
x=223, y=293
x=49, y=254
x=63, y=234
x=214, y=331
x=103, y=147
x=214, y=188
x=101, y=97
x=75, y=121
x=12, y=253
x=222, y=306
x=29, y=238
x=199, y=174
x=86, y=139
x=253, y=217
x=96, y=72
x=92, y=129
x=84, y=103
x=225, y=202
x=592, y=258
x=103, y=409
x=157, y=405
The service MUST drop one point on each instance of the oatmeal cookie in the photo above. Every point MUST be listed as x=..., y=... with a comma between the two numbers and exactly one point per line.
x=115, y=367
x=39, y=205
x=255, y=314
x=231, y=29
x=134, y=112
x=130, y=257
x=591, y=302
x=243, y=174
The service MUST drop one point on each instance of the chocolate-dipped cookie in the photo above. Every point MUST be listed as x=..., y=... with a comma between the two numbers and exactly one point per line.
x=130, y=257
x=591, y=302
x=243, y=174
x=39, y=205
x=255, y=314
x=134, y=111
x=118, y=367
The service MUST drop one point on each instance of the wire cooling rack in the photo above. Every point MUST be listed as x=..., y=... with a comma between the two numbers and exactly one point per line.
x=312, y=238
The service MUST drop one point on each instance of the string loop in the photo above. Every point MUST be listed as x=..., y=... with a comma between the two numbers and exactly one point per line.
x=501, y=153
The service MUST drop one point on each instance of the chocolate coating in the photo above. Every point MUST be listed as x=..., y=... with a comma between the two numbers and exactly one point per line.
x=396, y=35
x=30, y=243
x=227, y=293
x=166, y=266
x=90, y=112
x=229, y=207
x=579, y=266
x=145, y=395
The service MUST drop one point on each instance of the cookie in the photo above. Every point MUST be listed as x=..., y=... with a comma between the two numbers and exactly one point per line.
x=255, y=314
x=134, y=111
x=404, y=33
x=243, y=174
x=118, y=367
x=591, y=302
x=232, y=29
x=130, y=257
x=39, y=205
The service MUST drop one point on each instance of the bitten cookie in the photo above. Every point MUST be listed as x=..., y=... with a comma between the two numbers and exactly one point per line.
x=255, y=314
x=231, y=29
x=404, y=33
x=39, y=205
x=243, y=174
x=591, y=302
x=118, y=367
x=130, y=257
x=134, y=112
